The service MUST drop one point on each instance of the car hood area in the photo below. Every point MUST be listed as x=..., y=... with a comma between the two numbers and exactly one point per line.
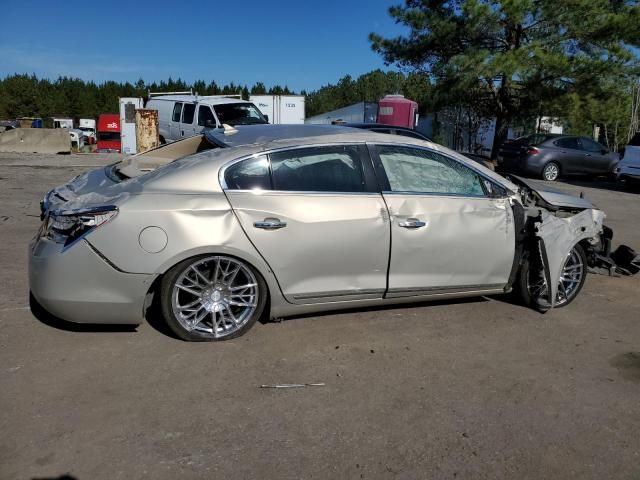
x=548, y=196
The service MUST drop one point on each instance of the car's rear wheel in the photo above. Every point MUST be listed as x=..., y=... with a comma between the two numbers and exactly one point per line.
x=551, y=172
x=533, y=285
x=212, y=298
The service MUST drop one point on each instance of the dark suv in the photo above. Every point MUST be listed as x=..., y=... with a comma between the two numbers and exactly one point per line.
x=548, y=156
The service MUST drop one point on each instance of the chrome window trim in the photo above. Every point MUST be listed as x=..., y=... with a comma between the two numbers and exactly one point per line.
x=304, y=192
x=225, y=166
x=440, y=194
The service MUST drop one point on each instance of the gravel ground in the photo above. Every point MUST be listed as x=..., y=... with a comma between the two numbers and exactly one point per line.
x=476, y=389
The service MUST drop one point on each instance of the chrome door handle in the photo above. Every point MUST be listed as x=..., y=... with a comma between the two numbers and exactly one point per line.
x=270, y=224
x=412, y=223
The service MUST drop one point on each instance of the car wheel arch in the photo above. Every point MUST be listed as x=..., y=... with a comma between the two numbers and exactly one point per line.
x=274, y=293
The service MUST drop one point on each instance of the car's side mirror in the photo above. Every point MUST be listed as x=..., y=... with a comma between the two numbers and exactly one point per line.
x=210, y=124
x=266, y=117
x=604, y=151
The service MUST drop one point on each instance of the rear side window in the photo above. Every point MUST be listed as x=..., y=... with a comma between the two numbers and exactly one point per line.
x=177, y=108
x=567, y=142
x=424, y=171
x=205, y=114
x=318, y=169
x=187, y=113
x=250, y=174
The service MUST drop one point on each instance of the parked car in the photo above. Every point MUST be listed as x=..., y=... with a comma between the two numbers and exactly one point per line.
x=548, y=156
x=181, y=116
x=628, y=169
x=292, y=219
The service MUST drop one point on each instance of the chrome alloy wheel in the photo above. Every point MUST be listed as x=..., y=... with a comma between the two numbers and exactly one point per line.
x=551, y=172
x=571, y=277
x=215, y=296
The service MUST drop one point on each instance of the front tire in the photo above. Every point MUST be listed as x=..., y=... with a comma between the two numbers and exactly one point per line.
x=212, y=297
x=532, y=285
x=551, y=172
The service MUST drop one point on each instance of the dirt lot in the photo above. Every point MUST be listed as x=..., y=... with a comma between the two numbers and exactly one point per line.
x=470, y=389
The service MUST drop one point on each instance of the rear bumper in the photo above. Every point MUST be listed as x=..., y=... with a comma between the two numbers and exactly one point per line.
x=525, y=165
x=79, y=286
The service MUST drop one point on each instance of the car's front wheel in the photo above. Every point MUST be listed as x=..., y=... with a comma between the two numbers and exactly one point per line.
x=213, y=297
x=533, y=285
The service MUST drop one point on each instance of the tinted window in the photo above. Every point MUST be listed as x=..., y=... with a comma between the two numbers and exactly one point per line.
x=109, y=136
x=251, y=174
x=424, y=171
x=187, y=113
x=591, y=146
x=239, y=114
x=567, y=142
x=537, y=138
x=177, y=108
x=318, y=169
x=205, y=114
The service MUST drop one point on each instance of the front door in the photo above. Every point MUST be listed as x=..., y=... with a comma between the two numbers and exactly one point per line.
x=317, y=220
x=570, y=155
x=449, y=231
x=596, y=156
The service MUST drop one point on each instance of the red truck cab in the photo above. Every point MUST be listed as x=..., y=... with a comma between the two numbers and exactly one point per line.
x=109, y=133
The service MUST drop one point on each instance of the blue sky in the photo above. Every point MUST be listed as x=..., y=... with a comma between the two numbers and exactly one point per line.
x=303, y=44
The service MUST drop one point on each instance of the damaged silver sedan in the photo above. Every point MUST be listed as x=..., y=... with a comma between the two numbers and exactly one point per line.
x=223, y=228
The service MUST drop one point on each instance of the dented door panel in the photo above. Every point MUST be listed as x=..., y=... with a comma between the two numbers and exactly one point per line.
x=465, y=243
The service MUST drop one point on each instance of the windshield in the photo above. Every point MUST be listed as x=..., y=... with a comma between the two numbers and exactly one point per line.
x=86, y=129
x=239, y=114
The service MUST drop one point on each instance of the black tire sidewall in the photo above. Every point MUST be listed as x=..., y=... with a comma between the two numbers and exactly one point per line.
x=166, y=289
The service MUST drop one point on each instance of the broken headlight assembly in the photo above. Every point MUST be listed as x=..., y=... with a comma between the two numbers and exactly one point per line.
x=66, y=227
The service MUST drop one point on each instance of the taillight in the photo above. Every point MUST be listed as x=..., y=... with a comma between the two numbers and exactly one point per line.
x=532, y=151
x=67, y=227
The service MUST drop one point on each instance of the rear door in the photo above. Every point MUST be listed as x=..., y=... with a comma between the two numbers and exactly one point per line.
x=317, y=220
x=569, y=155
x=450, y=231
x=187, y=125
x=176, y=115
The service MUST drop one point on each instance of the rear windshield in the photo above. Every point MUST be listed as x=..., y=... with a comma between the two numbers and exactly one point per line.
x=109, y=136
x=239, y=114
x=538, y=138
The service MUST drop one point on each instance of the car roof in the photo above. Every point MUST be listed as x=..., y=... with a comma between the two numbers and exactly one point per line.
x=369, y=126
x=209, y=99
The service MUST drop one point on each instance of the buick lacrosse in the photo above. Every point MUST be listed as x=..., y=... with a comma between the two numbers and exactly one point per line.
x=227, y=226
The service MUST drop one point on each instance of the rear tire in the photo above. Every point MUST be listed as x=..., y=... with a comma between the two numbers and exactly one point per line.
x=212, y=298
x=551, y=172
x=574, y=273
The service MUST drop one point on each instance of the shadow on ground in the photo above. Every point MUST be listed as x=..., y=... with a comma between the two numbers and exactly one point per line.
x=50, y=320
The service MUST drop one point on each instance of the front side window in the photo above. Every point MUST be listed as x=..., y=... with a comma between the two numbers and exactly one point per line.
x=250, y=174
x=591, y=146
x=188, y=112
x=205, y=115
x=318, y=169
x=424, y=171
x=177, y=108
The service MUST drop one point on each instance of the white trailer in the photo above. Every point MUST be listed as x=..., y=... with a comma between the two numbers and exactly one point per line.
x=281, y=109
x=128, y=107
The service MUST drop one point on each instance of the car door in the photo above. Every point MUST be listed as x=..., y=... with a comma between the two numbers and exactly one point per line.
x=205, y=118
x=448, y=235
x=569, y=155
x=187, y=127
x=174, y=128
x=596, y=156
x=318, y=220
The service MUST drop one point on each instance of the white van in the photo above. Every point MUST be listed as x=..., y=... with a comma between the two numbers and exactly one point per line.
x=184, y=115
